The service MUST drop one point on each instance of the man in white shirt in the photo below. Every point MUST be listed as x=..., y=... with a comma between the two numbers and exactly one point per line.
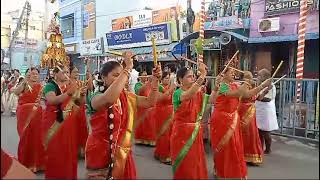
x=134, y=75
x=266, y=111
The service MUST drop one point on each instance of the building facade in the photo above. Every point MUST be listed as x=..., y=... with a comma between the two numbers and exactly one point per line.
x=274, y=33
x=71, y=28
x=22, y=56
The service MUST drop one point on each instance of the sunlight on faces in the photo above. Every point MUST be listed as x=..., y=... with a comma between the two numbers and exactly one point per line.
x=229, y=75
x=112, y=76
x=62, y=75
x=188, y=79
x=166, y=80
x=74, y=73
x=34, y=75
x=144, y=79
x=247, y=75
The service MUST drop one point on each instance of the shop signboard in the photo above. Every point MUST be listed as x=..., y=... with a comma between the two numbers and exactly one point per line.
x=91, y=47
x=142, y=19
x=139, y=37
x=277, y=7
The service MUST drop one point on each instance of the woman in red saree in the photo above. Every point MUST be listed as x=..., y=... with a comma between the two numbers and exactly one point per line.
x=82, y=129
x=108, y=151
x=164, y=114
x=12, y=169
x=187, y=149
x=29, y=116
x=226, y=139
x=59, y=126
x=253, y=153
x=145, y=132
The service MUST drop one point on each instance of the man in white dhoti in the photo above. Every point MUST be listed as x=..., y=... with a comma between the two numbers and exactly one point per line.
x=266, y=111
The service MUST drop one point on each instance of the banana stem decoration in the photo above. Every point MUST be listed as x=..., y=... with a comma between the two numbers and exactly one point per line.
x=154, y=51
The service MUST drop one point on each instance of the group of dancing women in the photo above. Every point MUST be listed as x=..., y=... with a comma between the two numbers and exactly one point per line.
x=161, y=113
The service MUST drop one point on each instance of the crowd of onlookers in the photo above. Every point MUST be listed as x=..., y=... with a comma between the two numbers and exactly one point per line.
x=9, y=80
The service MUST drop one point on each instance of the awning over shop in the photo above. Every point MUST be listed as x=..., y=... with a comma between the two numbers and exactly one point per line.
x=212, y=33
x=270, y=39
x=173, y=47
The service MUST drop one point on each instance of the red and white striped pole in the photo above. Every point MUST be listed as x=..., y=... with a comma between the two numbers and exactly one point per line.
x=301, y=44
x=201, y=32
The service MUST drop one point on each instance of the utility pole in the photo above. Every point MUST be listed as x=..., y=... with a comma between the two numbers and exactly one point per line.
x=28, y=7
x=190, y=18
x=16, y=31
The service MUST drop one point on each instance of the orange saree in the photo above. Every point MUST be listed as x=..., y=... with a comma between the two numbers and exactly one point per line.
x=251, y=142
x=164, y=115
x=187, y=149
x=100, y=145
x=29, y=116
x=226, y=140
x=59, y=134
x=12, y=169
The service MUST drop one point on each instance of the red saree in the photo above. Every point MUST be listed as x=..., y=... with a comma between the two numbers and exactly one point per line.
x=188, y=163
x=226, y=140
x=164, y=115
x=82, y=129
x=97, y=151
x=60, y=141
x=29, y=116
x=145, y=131
x=250, y=135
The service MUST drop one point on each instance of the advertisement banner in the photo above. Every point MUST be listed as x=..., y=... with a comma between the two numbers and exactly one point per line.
x=169, y=15
x=139, y=37
x=142, y=19
x=122, y=23
x=223, y=23
x=31, y=43
x=164, y=15
x=225, y=14
x=91, y=47
x=276, y=7
x=89, y=21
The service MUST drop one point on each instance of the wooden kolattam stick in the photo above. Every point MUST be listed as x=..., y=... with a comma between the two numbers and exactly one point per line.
x=279, y=79
x=189, y=60
x=114, y=52
x=275, y=72
x=236, y=69
x=154, y=51
x=226, y=67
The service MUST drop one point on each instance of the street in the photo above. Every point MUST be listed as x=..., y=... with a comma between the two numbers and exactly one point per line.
x=290, y=158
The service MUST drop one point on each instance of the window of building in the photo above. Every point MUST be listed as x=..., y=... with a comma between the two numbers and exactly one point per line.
x=67, y=26
x=32, y=28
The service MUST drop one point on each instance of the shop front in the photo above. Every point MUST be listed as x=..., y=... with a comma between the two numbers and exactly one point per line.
x=138, y=40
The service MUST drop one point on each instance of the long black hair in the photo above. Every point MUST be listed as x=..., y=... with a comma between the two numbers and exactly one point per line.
x=108, y=67
x=181, y=73
x=31, y=69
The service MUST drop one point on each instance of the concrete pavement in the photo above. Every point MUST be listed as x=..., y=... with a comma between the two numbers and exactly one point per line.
x=290, y=158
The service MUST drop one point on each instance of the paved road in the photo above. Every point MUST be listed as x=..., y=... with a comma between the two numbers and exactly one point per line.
x=290, y=159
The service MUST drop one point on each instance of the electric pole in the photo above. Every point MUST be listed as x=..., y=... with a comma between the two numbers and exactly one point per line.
x=16, y=31
x=28, y=7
